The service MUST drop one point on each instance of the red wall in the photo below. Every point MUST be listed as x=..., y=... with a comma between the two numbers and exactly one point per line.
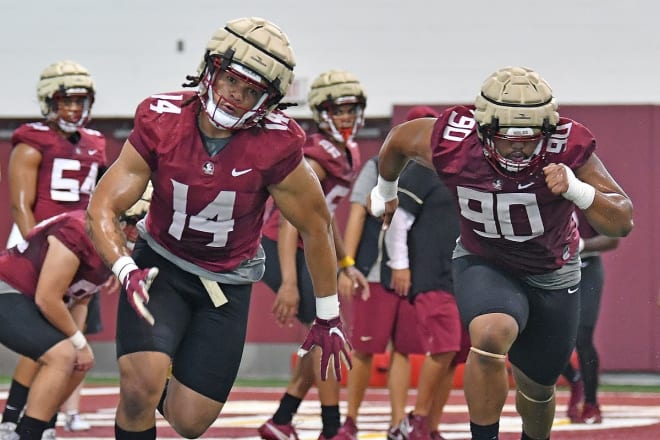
x=628, y=333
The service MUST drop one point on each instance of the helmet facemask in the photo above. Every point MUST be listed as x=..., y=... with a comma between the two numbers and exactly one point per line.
x=326, y=111
x=215, y=104
x=68, y=121
x=489, y=133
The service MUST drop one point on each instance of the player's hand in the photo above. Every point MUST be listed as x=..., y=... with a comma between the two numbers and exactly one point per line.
x=381, y=208
x=136, y=284
x=286, y=304
x=401, y=281
x=329, y=336
x=84, y=359
x=556, y=178
x=350, y=281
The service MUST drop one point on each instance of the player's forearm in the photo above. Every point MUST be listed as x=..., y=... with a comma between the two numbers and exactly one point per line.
x=321, y=260
x=340, y=250
x=24, y=219
x=611, y=214
x=287, y=247
x=391, y=159
x=56, y=312
x=353, y=229
x=105, y=232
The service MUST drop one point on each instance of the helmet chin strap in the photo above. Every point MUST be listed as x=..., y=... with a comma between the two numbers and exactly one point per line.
x=217, y=116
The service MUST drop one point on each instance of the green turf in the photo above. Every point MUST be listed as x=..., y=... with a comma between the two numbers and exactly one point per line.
x=113, y=381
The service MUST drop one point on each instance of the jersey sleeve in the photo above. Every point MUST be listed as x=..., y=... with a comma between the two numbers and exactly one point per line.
x=145, y=132
x=32, y=135
x=572, y=142
x=287, y=148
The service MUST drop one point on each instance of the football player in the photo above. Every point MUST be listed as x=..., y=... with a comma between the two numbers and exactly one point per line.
x=517, y=170
x=214, y=157
x=53, y=168
x=54, y=164
x=337, y=100
x=46, y=283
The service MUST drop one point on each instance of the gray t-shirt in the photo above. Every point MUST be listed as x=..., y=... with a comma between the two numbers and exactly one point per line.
x=366, y=180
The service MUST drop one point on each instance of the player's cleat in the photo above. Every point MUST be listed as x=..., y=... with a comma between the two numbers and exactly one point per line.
x=6, y=430
x=348, y=430
x=577, y=394
x=414, y=427
x=394, y=433
x=271, y=431
x=74, y=423
x=591, y=414
x=48, y=434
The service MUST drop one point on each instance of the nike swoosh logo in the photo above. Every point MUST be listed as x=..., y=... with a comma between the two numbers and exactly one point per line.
x=91, y=152
x=365, y=338
x=525, y=186
x=570, y=291
x=237, y=173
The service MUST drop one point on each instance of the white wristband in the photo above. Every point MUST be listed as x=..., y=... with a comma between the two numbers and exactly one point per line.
x=580, y=193
x=387, y=189
x=122, y=267
x=78, y=340
x=327, y=307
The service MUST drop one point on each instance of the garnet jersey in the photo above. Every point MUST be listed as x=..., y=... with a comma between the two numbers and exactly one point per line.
x=68, y=171
x=20, y=266
x=341, y=170
x=209, y=210
x=511, y=219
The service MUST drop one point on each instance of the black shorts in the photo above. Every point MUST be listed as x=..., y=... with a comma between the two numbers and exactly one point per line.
x=591, y=290
x=205, y=343
x=547, y=319
x=273, y=279
x=23, y=329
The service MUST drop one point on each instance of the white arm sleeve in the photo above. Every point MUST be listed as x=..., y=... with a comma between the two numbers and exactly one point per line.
x=396, y=239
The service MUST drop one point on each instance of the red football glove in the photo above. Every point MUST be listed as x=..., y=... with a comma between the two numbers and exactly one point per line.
x=329, y=336
x=136, y=284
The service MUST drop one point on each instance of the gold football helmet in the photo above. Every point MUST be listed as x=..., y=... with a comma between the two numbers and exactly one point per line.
x=515, y=104
x=254, y=50
x=60, y=80
x=331, y=89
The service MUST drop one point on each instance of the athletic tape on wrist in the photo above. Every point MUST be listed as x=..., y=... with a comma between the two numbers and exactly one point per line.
x=387, y=189
x=580, y=193
x=327, y=307
x=78, y=340
x=122, y=267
